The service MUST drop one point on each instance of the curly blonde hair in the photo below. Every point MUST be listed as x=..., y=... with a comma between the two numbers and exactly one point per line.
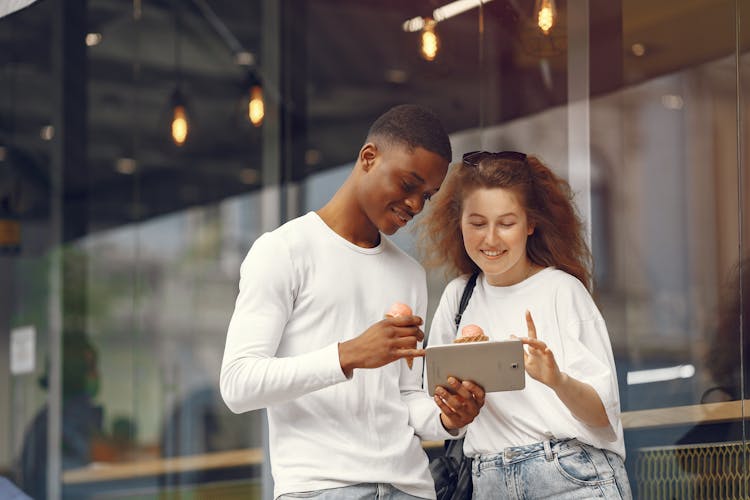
x=557, y=239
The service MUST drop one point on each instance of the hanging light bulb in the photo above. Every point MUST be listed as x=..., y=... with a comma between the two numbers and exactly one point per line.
x=179, y=125
x=180, y=121
x=430, y=40
x=256, y=109
x=546, y=14
x=253, y=103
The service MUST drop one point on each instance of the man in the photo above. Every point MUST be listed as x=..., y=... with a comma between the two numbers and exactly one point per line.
x=309, y=341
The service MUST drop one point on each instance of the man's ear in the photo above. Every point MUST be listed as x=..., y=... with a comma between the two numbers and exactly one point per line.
x=367, y=156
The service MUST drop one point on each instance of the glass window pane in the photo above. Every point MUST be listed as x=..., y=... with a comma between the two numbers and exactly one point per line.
x=133, y=181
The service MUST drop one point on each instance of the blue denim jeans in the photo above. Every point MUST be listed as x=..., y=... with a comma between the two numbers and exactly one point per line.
x=559, y=469
x=364, y=491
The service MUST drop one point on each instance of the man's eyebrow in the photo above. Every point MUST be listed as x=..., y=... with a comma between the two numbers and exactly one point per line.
x=417, y=176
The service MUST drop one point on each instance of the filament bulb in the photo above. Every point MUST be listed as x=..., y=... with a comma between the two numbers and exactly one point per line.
x=430, y=41
x=179, y=125
x=546, y=15
x=256, y=109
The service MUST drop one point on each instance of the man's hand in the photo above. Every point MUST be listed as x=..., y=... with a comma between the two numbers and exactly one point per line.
x=384, y=342
x=459, y=404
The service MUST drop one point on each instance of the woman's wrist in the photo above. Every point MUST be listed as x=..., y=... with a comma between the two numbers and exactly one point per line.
x=559, y=384
x=450, y=428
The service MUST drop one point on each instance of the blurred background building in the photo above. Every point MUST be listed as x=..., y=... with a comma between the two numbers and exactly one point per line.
x=145, y=144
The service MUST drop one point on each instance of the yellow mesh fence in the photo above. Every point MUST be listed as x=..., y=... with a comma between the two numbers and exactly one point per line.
x=704, y=471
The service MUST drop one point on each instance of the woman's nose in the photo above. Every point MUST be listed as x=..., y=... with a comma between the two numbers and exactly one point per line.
x=491, y=237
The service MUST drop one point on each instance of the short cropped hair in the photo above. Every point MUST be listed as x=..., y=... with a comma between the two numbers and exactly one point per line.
x=414, y=126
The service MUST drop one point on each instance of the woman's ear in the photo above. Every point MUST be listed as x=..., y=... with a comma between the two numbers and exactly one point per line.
x=530, y=229
x=367, y=156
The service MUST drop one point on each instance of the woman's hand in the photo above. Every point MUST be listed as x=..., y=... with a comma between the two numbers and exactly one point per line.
x=580, y=398
x=538, y=358
x=459, y=402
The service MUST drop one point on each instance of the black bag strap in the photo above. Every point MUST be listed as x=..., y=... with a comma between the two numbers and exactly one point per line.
x=468, y=290
x=454, y=447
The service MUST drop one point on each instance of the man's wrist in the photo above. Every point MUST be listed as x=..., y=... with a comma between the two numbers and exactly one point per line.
x=345, y=359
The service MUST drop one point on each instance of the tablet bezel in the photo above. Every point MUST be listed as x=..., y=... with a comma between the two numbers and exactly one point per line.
x=495, y=365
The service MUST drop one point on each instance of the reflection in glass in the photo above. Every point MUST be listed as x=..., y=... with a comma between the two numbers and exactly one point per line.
x=161, y=230
x=83, y=439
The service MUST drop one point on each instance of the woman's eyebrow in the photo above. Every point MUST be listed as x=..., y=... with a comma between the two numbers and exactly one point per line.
x=507, y=214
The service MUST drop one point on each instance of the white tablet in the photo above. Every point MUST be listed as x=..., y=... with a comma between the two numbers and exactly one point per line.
x=495, y=365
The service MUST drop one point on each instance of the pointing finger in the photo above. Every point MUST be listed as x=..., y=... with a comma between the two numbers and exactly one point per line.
x=530, y=325
x=533, y=342
x=410, y=353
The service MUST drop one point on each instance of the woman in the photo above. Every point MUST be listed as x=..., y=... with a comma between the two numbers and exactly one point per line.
x=509, y=217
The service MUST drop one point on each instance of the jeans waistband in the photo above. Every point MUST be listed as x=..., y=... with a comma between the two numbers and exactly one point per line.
x=514, y=454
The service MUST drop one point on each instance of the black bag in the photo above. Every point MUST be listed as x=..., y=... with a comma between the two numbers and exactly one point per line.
x=452, y=471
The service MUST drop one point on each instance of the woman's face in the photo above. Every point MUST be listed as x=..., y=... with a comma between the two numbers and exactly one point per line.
x=495, y=229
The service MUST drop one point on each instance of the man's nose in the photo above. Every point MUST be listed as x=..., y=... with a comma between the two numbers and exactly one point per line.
x=415, y=203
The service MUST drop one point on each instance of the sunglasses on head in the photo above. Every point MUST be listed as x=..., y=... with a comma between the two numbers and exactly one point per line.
x=474, y=158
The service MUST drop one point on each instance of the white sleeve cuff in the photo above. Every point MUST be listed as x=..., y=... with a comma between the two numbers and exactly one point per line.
x=329, y=357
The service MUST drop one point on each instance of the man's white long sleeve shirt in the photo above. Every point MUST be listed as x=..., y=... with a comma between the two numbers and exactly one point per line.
x=304, y=289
